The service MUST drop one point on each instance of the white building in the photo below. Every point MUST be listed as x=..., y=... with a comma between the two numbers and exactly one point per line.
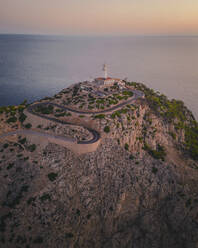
x=108, y=81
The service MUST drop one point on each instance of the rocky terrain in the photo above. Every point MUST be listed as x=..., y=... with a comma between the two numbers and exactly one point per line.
x=138, y=189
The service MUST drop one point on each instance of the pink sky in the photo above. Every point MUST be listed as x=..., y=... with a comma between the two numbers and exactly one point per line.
x=100, y=17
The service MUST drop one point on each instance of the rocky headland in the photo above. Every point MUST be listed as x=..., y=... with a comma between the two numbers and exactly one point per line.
x=112, y=166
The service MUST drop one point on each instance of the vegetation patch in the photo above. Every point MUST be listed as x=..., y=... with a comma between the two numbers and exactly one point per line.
x=154, y=170
x=126, y=146
x=3, y=221
x=16, y=200
x=131, y=157
x=12, y=119
x=22, y=117
x=38, y=240
x=159, y=153
x=106, y=129
x=52, y=176
x=191, y=140
x=32, y=148
x=45, y=110
x=100, y=116
x=5, y=146
x=45, y=197
x=28, y=125
x=23, y=141
x=31, y=200
x=127, y=93
x=69, y=235
x=10, y=166
x=175, y=112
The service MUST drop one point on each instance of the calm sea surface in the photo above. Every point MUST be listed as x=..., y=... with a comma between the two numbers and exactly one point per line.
x=32, y=67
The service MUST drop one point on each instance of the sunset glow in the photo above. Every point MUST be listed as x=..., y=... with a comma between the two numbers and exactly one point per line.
x=129, y=17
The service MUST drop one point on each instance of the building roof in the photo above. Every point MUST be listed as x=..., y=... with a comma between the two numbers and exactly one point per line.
x=100, y=78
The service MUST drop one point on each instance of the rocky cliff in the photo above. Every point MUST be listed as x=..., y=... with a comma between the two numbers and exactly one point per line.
x=138, y=189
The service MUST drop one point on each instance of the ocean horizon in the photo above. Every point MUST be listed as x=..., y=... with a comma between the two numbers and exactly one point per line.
x=35, y=66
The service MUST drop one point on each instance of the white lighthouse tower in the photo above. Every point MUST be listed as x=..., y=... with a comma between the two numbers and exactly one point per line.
x=105, y=71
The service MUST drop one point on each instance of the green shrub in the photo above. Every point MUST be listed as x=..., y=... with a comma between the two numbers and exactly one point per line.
x=116, y=113
x=106, y=129
x=32, y=148
x=45, y=197
x=23, y=141
x=126, y=146
x=21, y=108
x=10, y=166
x=188, y=202
x=3, y=221
x=31, y=200
x=22, y=117
x=131, y=157
x=100, y=116
x=69, y=235
x=127, y=93
x=159, y=153
x=173, y=135
x=154, y=170
x=191, y=141
x=5, y=146
x=123, y=111
x=52, y=176
x=12, y=119
x=28, y=125
x=38, y=240
x=60, y=114
x=46, y=110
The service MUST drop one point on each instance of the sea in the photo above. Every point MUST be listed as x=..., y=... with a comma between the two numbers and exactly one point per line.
x=35, y=66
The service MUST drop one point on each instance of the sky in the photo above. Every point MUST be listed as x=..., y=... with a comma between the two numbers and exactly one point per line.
x=99, y=17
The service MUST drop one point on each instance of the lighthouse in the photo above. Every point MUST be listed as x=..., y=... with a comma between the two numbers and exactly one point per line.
x=105, y=71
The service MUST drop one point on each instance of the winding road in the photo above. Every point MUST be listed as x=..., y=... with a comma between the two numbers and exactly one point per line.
x=95, y=134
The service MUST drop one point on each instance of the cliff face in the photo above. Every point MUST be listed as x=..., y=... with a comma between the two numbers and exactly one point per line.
x=138, y=189
x=101, y=199
x=139, y=128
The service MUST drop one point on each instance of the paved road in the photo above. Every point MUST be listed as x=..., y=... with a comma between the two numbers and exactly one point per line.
x=95, y=134
x=137, y=94
x=32, y=132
